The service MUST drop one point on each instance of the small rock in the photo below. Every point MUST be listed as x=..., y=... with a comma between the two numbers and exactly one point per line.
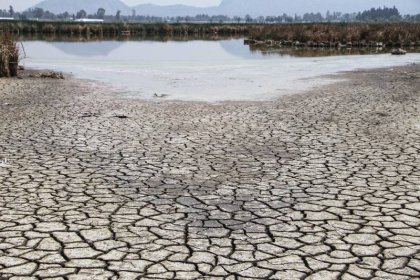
x=160, y=95
x=398, y=52
x=88, y=115
x=120, y=116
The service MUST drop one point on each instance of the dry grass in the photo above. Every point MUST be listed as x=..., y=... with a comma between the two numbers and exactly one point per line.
x=9, y=56
x=389, y=33
x=115, y=29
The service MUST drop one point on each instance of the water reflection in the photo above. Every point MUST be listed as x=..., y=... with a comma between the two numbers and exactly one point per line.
x=144, y=50
x=319, y=52
x=92, y=38
x=91, y=49
x=197, y=70
x=227, y=42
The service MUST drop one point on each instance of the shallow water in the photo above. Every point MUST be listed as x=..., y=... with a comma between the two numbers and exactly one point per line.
x=196, y=70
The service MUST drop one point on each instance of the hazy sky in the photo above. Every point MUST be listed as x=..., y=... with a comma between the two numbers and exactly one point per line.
x=169, y=2
x=20, y=5
x=23, y=4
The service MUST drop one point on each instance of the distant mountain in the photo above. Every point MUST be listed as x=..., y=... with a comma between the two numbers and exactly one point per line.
x=230, y=7
x=90, y=49
x=90, y=6
x=171, y=10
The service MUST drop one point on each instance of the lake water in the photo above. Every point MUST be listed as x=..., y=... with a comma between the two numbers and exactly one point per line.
x=196, y=70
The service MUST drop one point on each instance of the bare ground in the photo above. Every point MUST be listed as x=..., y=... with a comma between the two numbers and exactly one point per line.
x=321, y=185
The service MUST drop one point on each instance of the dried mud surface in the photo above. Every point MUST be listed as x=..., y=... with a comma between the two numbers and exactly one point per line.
x=321, y=185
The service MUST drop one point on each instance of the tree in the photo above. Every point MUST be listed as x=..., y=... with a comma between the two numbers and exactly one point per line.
x=118, y=15
x=248, y=19
x=48, y=15
x=38, y=13
x=379, y=14
x=133, y=13
x=287, y=18
x=328, y=15
x=64, y=15
x=81, y=14
x=237, y=19
x=11, y=11
x=100, y=13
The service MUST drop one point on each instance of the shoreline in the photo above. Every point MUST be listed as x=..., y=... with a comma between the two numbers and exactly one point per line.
x=319, y=184
x=309, y=82
x=363, y=34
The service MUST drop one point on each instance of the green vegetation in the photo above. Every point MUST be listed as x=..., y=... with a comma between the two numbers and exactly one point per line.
x=9, y=56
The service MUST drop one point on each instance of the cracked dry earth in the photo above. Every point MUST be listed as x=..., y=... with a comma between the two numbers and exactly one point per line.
x=322, y=185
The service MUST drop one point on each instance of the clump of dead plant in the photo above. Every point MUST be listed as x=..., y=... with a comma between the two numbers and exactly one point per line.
x=9, y=56
x=391, y=34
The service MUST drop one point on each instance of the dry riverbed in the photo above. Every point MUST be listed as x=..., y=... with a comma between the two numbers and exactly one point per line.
x=321, y=185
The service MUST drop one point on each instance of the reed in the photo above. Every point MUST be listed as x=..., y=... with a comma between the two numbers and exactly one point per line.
x=391, y=34
x=9, y=56
x=310, y=34
x=117, y=28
